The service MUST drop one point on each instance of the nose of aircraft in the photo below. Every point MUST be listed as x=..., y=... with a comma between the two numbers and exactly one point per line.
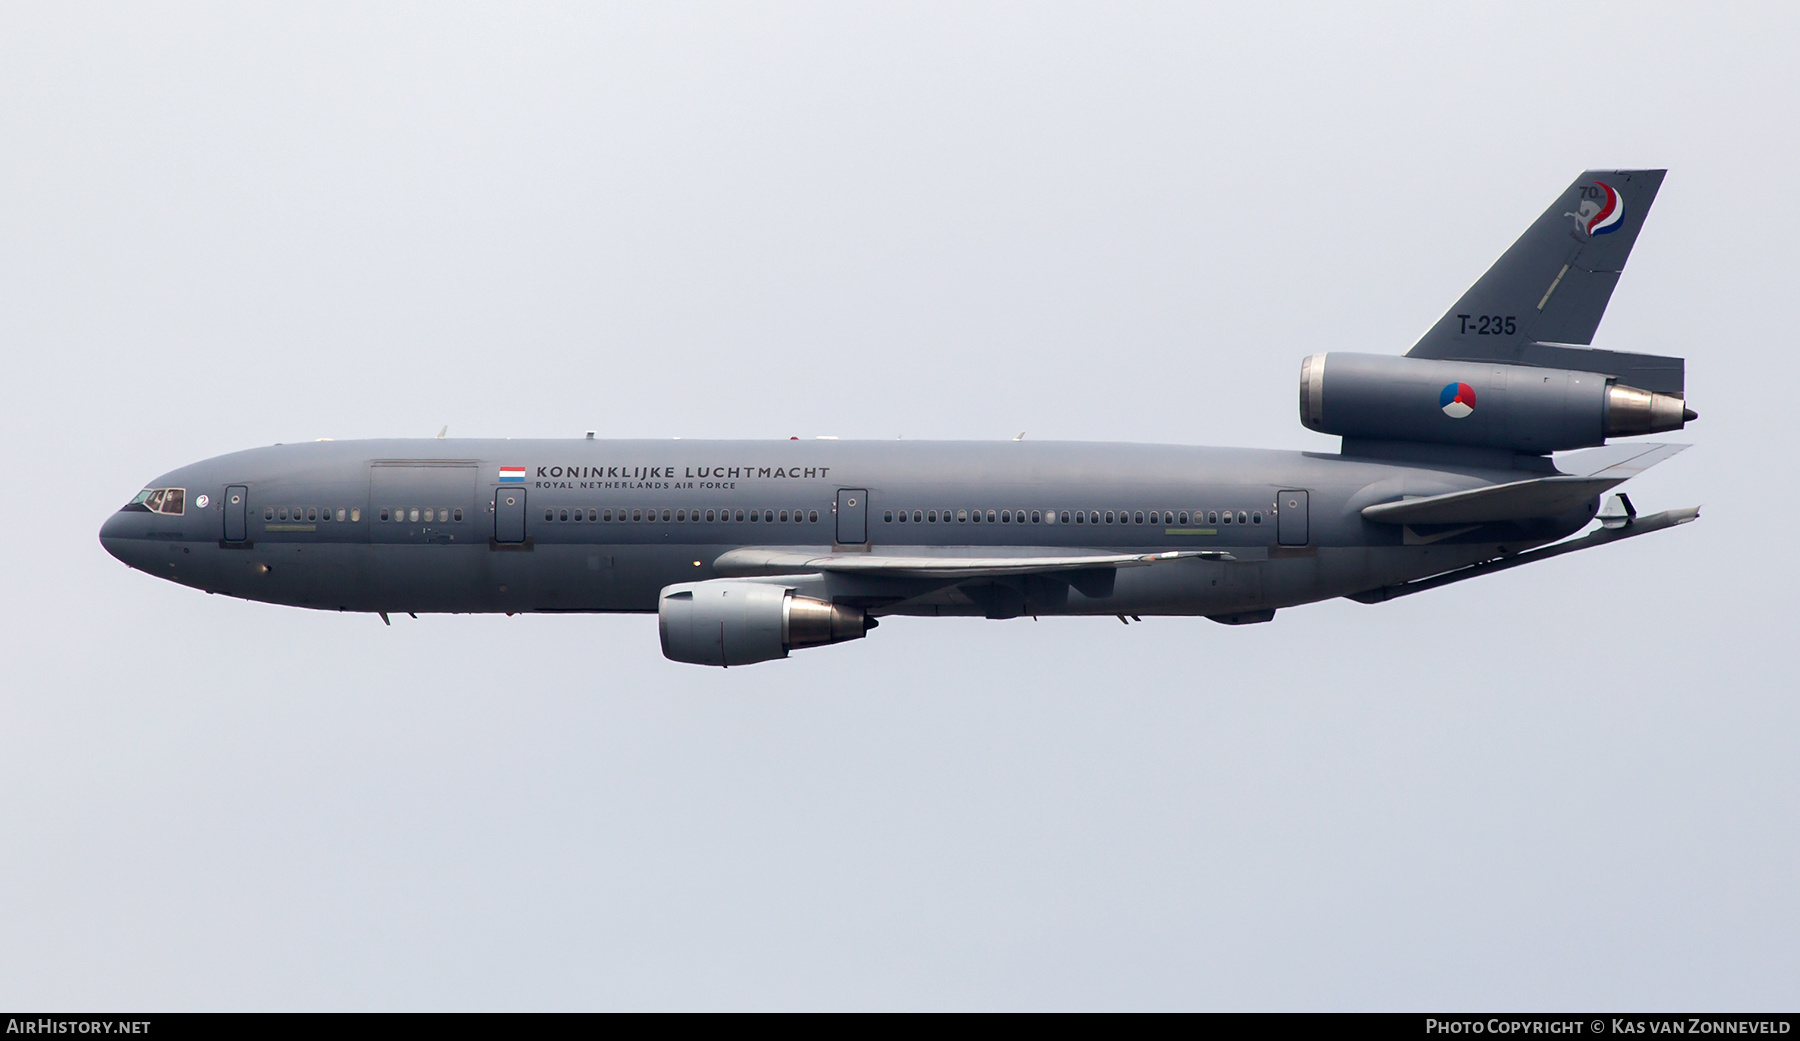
x=120, y=535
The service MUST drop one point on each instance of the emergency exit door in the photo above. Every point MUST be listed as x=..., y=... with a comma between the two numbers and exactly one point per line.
x=852, y=516
x=235, y=498
x=1290, y=518
x=509, y=515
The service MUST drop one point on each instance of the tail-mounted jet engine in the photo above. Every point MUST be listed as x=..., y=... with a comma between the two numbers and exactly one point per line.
x=1476, y=403
x=735, y=622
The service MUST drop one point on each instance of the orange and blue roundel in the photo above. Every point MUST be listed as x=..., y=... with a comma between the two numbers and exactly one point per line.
x=1457, y=400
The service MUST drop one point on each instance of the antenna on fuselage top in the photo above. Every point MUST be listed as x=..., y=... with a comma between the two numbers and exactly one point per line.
x=1021, y=436
x=442, y=432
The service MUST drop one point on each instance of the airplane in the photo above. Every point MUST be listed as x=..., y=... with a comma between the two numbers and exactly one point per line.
x=1485, y=447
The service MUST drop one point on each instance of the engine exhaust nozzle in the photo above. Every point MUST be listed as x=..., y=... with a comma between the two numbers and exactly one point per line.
x=1632, y=411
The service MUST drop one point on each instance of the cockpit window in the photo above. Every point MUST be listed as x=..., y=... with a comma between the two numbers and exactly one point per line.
x=170, y=501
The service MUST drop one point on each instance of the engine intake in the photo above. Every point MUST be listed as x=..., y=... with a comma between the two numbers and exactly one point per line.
x=737, y=622
x=1479, y=404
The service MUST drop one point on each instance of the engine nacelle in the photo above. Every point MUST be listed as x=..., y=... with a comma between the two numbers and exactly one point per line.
x=1480, y=404
x=737, y=622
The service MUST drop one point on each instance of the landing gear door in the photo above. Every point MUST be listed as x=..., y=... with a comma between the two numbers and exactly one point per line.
x=1290, y=518
x=509, y=515
x=236, y=498
x=852, y=516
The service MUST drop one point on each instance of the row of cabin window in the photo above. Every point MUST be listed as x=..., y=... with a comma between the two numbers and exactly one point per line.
x=414, y=514
x=687, y=516
x=1078, y=517
x=312, y=513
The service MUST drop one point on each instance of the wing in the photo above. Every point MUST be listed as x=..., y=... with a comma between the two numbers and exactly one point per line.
x=759, y=561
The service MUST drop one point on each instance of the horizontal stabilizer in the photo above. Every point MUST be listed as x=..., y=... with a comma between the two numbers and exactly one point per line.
x=1625, y=460
x=1520, y=500
x=1598, y=537
x=753, y=561
x=1586, y=474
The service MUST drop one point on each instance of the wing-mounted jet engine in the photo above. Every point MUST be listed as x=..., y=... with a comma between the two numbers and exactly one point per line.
x=738, y=622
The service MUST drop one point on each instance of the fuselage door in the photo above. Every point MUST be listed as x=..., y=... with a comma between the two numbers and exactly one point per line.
x=1290, y=518
x=509, y=515
x=236, y=497
x=853, y=516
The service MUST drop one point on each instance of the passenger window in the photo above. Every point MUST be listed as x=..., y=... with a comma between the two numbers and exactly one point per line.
x=340, y=514
x=1183, y=519
x=549, y=515
x=430, y=515
x=283, y=514
x=888, y=517
x=1006, y=516
x=1256, y=518
x=812, y=516
x=681, y=515
x=268, y=513
x=1241, y=517
x=1081, y=516
x=738, y=516
x=784, y=515
x=1213, y=517
x=1109, y=516
x=1139, y=519
x=636, y=515
x=355, y=514
x=1225, y=518
x=665, y=516
x=413, y=515
x=962, y=515
x=931, y=516
x=1036, y=517
x=990, y=516
x=384, y=513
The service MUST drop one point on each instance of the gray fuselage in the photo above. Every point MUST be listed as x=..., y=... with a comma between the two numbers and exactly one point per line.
x=599, y=525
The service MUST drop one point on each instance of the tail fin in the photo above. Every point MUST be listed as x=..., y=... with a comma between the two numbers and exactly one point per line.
x=1552, y=286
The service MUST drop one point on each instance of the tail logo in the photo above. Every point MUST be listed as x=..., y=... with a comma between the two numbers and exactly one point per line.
x=1457, y=400
x=1600, y=213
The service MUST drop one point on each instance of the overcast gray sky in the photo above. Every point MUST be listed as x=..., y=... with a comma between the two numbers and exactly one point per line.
x=1570, y=786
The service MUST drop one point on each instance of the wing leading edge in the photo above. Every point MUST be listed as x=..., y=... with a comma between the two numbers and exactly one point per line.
x=755, y=561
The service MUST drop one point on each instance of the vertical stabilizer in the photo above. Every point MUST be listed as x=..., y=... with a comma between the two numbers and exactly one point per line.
x=1552, y=286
